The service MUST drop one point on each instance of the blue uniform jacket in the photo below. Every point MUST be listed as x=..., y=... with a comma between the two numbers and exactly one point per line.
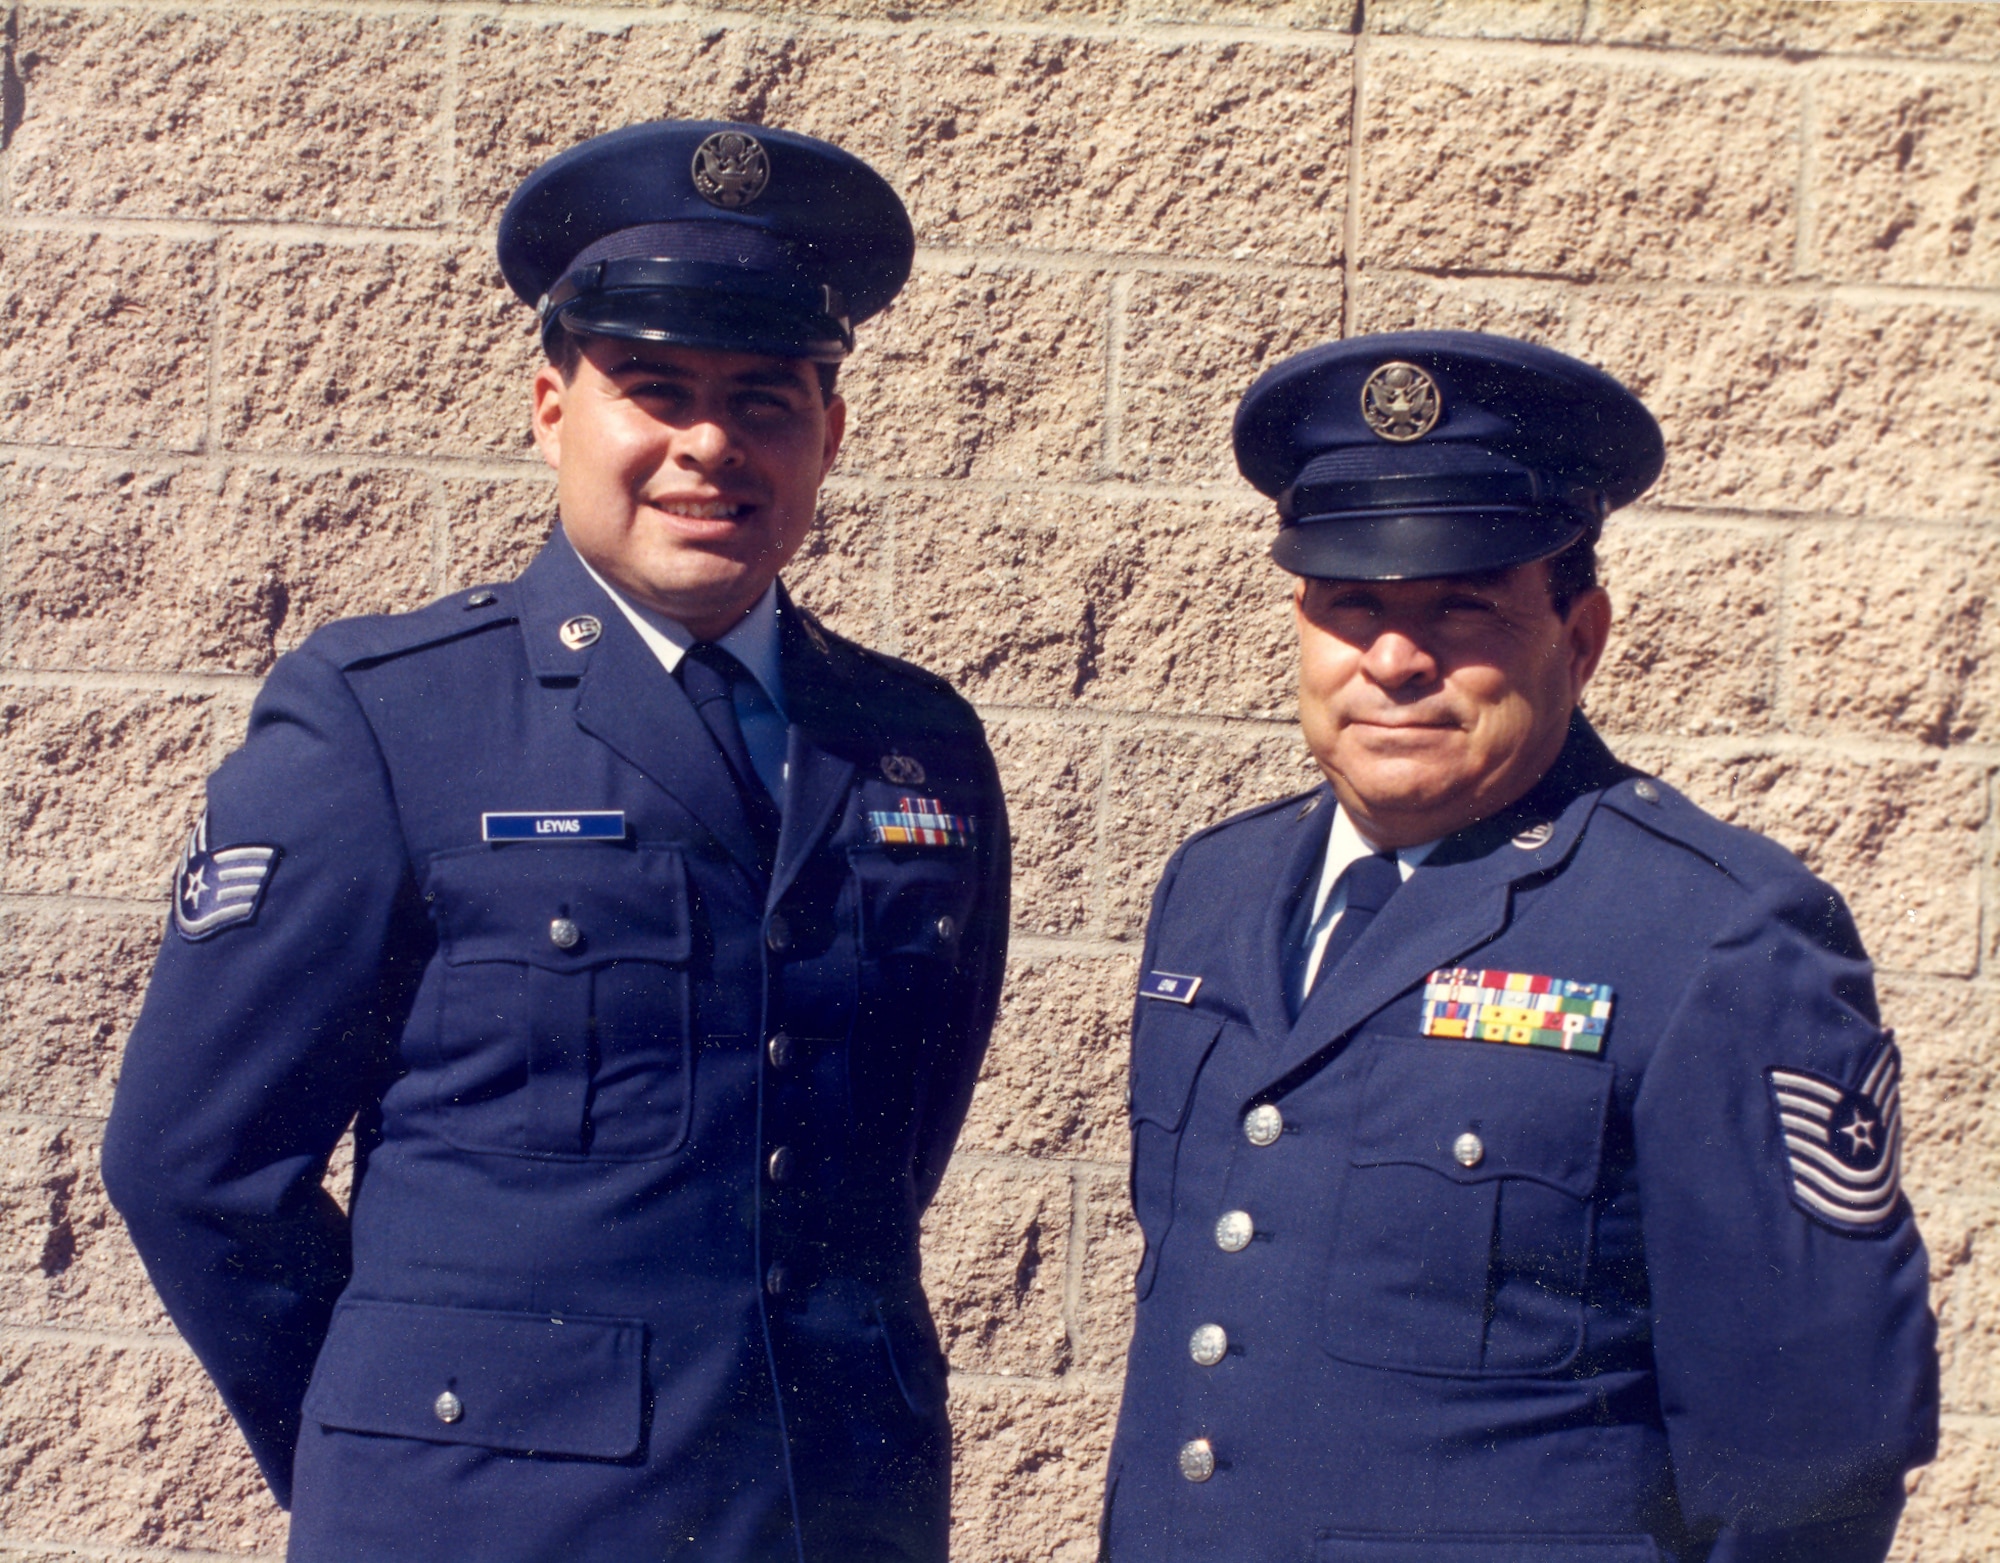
x=583, y=1308
x=1509, y=1303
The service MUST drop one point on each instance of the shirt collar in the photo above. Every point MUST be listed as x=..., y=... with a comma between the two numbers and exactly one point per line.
x=753, y=640
x=1345, y=846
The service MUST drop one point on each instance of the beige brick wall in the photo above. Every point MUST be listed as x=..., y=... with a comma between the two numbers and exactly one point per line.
x=257, y=371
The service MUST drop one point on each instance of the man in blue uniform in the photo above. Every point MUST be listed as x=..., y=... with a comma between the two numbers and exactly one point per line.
x=648, y=934
x=1515, y=1144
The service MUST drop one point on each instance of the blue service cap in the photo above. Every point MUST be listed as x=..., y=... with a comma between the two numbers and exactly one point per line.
x=709, y=234
x=1426, y=453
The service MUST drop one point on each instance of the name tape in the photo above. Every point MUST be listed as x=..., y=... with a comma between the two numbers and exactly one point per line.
x=580, y=825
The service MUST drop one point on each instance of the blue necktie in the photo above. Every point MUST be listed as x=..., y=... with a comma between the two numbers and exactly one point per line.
x=1370, y=882
x=710, y=675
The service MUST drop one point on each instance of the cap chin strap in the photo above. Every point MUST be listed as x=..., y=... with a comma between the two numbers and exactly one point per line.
x=1521, y=489
x=802, y=300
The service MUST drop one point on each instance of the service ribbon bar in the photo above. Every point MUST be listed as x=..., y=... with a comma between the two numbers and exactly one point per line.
x=920, y=822
x=1518, y=1007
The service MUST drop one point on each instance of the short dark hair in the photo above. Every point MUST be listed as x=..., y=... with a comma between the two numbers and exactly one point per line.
x=565, y=351
x=1572, y=572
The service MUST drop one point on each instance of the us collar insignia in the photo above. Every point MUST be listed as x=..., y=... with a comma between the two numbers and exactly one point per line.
x=1400, y=402
x=216, y=890
x=1518, y=1007
x=919, y=822
x=580, y=631
x=902, y=770
x=730, y=169
x=1844, y=1146
x=1535, y=837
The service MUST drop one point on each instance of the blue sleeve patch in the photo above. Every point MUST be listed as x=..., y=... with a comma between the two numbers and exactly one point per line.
x=216, y=889
x=1170, y=986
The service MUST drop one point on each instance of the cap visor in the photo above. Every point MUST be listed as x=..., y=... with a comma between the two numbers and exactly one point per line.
x=1420, y=546
x=692, y=319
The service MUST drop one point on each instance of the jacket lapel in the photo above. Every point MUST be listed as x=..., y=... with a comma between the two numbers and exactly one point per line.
x=1460, y=899
x=627, y=701
x=1263, y=951
x=823, y=712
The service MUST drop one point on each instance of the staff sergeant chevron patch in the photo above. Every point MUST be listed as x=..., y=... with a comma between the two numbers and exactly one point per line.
x=1845, y=1146
x=215, y=890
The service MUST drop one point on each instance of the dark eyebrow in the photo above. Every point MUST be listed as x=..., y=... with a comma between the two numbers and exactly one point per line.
x=771, y=375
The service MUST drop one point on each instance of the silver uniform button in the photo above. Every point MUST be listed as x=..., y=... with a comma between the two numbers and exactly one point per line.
x=1468, y=1150
x=1234, y=1231
x=1209, y=1345
x=775, y=1279
x=780, y=1164
x=1263, y=1124
x=449, y=1408
x=779, y=1050
x=564, y=934
x=1197, y=1459
x=1645, y=792
x=778, y=935
x=947, y=929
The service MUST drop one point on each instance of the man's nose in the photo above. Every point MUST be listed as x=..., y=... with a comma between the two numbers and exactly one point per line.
x=705, y=441
x=1397, y=659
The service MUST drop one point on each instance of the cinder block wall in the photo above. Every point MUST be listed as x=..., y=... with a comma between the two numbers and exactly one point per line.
x=257, y=370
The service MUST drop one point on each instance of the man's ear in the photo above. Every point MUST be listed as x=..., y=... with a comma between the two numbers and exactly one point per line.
x=836, y=429
x=1586, y=632
x=546, y=414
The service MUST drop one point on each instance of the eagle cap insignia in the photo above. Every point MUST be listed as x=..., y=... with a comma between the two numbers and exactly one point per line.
x=1400, y=402
x=731, y=169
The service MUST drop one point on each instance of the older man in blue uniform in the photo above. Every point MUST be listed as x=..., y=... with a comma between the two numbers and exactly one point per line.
x=1515, y=1144
x=648, y=934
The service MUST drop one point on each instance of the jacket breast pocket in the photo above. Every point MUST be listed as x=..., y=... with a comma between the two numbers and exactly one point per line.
x=914, y=901
x=1463, y=1228
x=1169, y=1046
x=514, y=1381
x=563, y=1021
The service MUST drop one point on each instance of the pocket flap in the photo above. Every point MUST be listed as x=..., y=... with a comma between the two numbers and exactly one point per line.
x=1169, y=1045
x=505, y=902
x=1534, y=1114
x=519, y=1381
x=1486, y=1549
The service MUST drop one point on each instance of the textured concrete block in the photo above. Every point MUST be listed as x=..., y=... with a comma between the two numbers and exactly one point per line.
x=64, y=1256
x=529, y=88
x=1168, y=783
x=1541, y=21
x=1950, y=1514
x=1694, y=646
x=1189, y=347
x=167, y=1468
x=192, y=569
x=1386, y=300
x=1783, y=403
x=1895, y=632
x=1160, y=605
x=375, y=347
x=101, y=787
x=981, y=372
x=842, y=572
x=220, y=114
x=996, y=1241
x=1052, y=776
x=1112, y=1253
x=1964, y=1243
x=495, y=526
x=1548, y=166
x=1898, y=838
x=1949, y=1033
x=70, y=986
x=1188, y=149
x=1054, y=1081
x=1902, y=168
x=104, y=340
x=1028, y=1477
x=1966, y=30
x=1335, y=15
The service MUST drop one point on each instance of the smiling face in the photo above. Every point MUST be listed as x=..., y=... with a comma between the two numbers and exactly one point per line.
x=1433, y=704
x=687, y=477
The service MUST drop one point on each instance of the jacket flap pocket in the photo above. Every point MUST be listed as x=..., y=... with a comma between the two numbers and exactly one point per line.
x=1169, y=1045
x=515, y=1381
x=1486, y=1549
x=1511, y=1112
x=560, y=907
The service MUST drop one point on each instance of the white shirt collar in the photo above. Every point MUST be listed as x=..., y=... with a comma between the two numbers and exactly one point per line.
x=1346, y=846
x=753, y=640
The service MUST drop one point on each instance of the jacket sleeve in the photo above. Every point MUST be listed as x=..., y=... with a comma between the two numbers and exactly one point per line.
x=258, y=1043
x=1794, y=1346
x=958, y=1038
